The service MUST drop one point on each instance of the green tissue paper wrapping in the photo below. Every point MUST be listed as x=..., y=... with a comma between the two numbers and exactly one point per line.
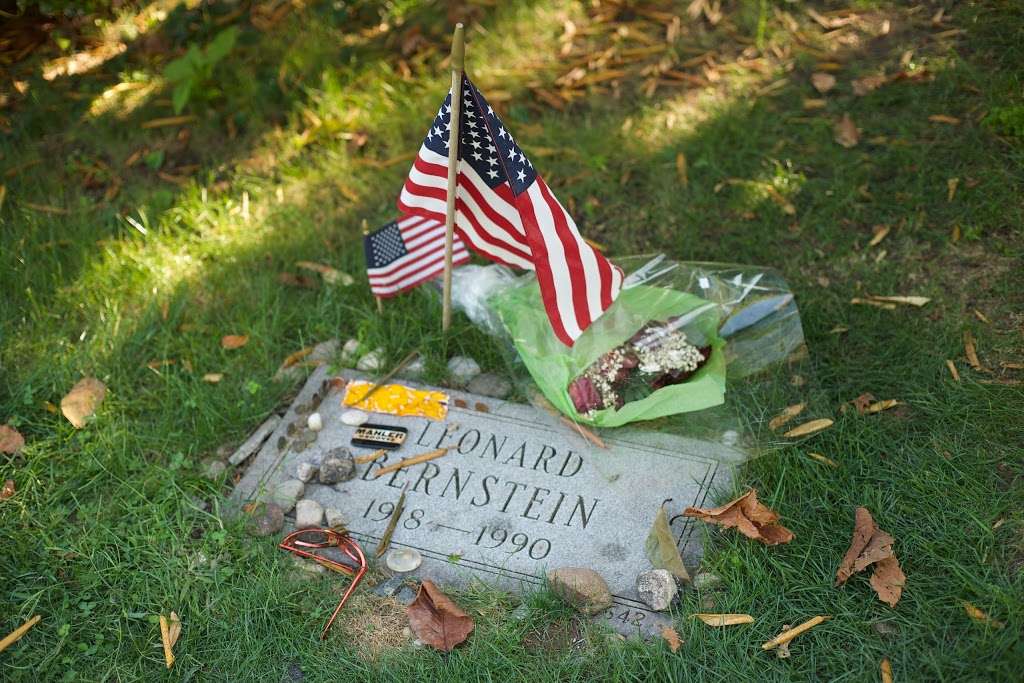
x=553, y=365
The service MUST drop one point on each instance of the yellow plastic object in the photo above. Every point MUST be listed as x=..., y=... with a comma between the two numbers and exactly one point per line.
x=396, y=399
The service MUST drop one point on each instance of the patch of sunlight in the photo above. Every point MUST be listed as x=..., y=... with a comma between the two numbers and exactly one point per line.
x=122, y=99
x=778, y=183
x=82, y=62
x=127, y=27
x=729, y=84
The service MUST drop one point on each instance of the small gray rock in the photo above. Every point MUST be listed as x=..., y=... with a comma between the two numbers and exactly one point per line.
x=336, y=466
x=305, y=471
x=287, y=493
x=354, y=418
x=214, y=469
x=324, y=352
x=582, y=588
x=657, y=588
x=266, y=519
x=414, y=370
x=334, y=518
x=405, y=595
x=489, y=384
x=372, y=361
x=706, y=581
x=308, y=513
x=350, y=351
x=462, y=369
x=386, y=589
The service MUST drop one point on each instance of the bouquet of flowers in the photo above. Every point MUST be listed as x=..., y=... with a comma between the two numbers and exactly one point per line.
x=661, y=349
x=658, y=355
x=655, y=352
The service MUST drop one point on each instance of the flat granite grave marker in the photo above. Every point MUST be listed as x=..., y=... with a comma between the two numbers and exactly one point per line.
x=518, y=492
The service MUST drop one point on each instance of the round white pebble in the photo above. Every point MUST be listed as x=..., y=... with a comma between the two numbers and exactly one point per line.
x=354, y=418
x=315, y=422
x=403, y=559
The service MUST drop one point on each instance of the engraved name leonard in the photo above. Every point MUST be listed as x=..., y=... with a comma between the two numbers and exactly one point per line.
x=455, y=478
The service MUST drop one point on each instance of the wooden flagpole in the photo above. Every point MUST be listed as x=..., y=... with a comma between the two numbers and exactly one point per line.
x=458, y=63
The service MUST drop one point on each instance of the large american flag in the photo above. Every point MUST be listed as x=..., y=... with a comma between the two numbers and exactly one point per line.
x=404, y=253
x=506, y=212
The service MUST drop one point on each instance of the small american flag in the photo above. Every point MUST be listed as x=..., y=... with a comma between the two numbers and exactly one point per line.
x=406, y=252
x=506, y=212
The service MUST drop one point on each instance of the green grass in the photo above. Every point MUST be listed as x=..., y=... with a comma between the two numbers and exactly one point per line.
x=114, y=523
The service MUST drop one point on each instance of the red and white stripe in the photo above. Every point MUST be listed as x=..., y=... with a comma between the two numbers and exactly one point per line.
x=424, y=241
x=486, y=218
x=532, y=231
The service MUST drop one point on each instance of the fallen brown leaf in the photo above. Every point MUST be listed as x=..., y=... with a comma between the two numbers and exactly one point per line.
x=8, y=490
x=234, y=341
x=880, y=232
x=872, y=546
x=886, y=669
x=11, y=440
x=329, y=274
x=808, y=428
x=792, y=633
x=661, y=548
x=811, y=103
x=943, y=118
x=725, y=619
x=983, y=318
x=436, y=620
x=821, y=458
x=862, y=402
x=170, y=629
x=786, y=415
x=846, y=133
x=971, y=351
x=823, y=82
x=906, y=300
x=862, y=86
x=83, y=400
x=872, y=302
x=748, y=516
x=684, y=178
x=879, y=406
x=15, y=635
x=951, y=185
x=671, y=637
x=888, y=580
x=980, y=616
x=294, y=358
x=952, y=370
x=213, y=377
x=169, y=121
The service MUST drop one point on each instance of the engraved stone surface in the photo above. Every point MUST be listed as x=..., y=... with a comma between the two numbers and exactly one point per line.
x=519, y=493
